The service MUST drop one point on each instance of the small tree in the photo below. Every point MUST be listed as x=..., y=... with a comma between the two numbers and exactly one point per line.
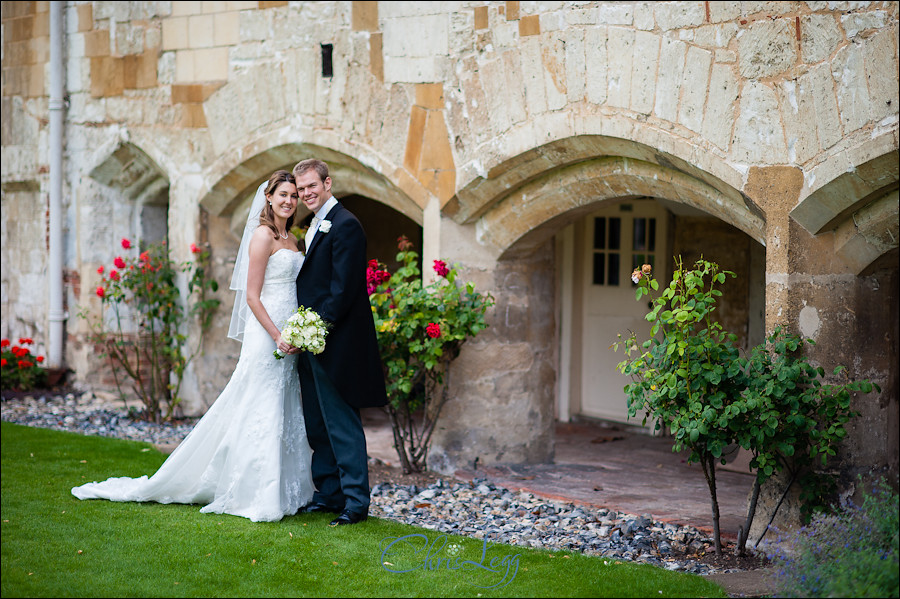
x=420, y=331
x=143, y=318
x=694, y=381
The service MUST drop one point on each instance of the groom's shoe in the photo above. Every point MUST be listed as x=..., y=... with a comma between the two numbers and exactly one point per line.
x=348, y=517
x=318, y=508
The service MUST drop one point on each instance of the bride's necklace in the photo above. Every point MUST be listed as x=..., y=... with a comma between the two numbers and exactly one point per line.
x=285, y=236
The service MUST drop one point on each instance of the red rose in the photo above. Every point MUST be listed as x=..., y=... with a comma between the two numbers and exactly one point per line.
x=100, y=270
x=25, y=364
x=440, y=267
x=2, y=361
x=119, y=262
x=114, y=275
x=195, y=249
x=4, y=343
x=40, y=359
x=433, y=330
x=101, y=291
x=125, y=244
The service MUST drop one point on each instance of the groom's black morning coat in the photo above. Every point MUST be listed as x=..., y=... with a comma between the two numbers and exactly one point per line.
x=332, y=282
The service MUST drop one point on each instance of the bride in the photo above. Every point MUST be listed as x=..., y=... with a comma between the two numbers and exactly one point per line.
x=248, y=456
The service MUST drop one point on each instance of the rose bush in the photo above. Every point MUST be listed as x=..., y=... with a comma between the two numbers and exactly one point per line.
x=420, y=331
x=20, y=370
x=143, y=322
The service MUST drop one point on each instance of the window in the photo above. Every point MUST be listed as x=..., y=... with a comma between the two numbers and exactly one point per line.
x=607, y=250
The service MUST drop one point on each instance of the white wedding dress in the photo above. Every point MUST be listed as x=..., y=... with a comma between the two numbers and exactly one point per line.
x=249, y=455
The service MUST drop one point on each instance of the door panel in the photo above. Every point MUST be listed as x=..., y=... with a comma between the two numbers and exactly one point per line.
x=616, y=240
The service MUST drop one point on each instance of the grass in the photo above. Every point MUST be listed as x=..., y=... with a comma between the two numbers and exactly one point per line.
x=54, y=545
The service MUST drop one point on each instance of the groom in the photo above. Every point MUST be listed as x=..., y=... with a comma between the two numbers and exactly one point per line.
x=348, y=375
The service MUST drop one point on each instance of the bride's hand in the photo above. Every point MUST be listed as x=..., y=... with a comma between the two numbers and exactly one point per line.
x=285, y=347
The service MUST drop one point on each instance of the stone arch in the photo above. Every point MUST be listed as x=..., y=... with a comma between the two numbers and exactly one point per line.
x=860, y=204
x=234, y=184
x=128, y=169
x=524, y=219
x=513, y=160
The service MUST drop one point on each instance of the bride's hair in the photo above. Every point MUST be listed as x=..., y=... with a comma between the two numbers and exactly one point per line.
x=267, y=216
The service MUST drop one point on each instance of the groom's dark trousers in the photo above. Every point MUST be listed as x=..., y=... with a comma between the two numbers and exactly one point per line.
x=335, y=432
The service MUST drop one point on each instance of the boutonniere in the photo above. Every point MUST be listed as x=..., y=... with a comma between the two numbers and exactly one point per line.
x=325, y=226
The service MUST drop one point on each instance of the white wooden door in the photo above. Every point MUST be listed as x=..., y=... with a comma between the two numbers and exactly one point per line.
x=616, y=240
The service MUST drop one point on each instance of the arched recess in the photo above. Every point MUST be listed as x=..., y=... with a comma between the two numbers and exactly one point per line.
x=504, y=179
x=862, y=207
x=523, y=220
x=140, y=180
x=234, y=190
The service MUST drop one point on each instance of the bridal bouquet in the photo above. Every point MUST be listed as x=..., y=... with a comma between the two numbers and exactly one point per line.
x=305, y=330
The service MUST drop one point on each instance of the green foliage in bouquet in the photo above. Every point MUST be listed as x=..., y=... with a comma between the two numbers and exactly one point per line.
x=420, y=331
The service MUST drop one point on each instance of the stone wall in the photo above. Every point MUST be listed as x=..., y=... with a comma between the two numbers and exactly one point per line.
x=493, y=125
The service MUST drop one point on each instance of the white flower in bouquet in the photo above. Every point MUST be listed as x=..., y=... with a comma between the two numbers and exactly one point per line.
x=304, y=329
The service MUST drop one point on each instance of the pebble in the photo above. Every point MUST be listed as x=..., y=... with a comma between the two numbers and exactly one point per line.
x=476, y=509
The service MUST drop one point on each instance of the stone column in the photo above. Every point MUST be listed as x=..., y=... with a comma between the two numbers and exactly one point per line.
x=502, y=384
x=810, y=291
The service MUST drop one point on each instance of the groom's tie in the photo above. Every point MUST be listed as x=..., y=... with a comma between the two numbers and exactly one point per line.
x=311, y=232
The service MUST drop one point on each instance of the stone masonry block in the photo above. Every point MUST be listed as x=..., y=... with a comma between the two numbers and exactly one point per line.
x=96, y=43
x=184, y=66
x=678, y=15
x=364, y=16
x=530, y=25
x=694, y=88
x=481, y=17
x=798, y=108
x=820, y=84
x=186, y=7
x=819, y=37
x=621, y=52
x=884, y=94
x=398, y=43
x=718, y=121
x=575, y=65
x=643, y=78
x=532, y=75
x=226, y=28
x=715, y=36
x=430, y=96
x=615, y=13
x=597, y=62
x=211, y=64
x=414, y=138
x=767, y=48
x=856, y=23
x=849, y=72
x=671, y=73
x=759, y=137
x=175, y=33
x=107, y=76
x=201, y=31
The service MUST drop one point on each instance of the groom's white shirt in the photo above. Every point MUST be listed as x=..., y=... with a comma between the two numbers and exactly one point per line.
x=321, y=213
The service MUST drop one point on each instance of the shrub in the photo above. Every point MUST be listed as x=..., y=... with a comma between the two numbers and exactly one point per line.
x=144, y=318
x=852, y=552
x=20, y=370
x=420, y=330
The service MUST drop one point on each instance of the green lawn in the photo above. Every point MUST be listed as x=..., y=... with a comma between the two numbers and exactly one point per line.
x=54, y=545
